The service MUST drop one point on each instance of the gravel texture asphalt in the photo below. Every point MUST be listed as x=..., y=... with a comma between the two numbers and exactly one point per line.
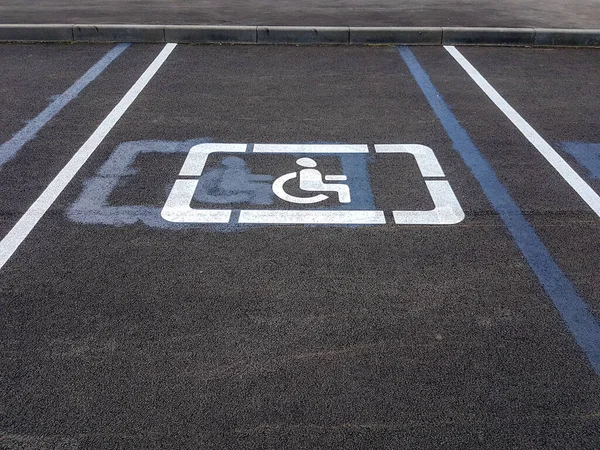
x=120, y=333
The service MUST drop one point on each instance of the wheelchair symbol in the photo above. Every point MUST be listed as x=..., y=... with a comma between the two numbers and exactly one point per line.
x=311, y=180
x=178, y=206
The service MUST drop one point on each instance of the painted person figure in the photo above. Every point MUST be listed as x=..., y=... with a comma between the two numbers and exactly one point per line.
x=233, y=182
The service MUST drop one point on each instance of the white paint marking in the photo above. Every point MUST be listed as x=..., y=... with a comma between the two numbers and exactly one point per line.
x=308, y=217
x=575, y=181
x=177, y=207
x=310, y=148
x=426, y=159
x=310, y=179
x=279, y=191
x=198, y=155
x=27, y=222
x=446, y=211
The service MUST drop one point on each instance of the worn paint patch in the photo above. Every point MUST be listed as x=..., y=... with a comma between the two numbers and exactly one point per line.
x=586, y=154
x=232, y=183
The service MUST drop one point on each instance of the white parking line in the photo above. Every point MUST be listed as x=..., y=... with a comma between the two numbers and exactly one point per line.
x=575, y=181
x=23, y=227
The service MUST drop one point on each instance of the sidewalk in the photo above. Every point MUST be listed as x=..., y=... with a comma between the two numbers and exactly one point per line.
x=379, y=13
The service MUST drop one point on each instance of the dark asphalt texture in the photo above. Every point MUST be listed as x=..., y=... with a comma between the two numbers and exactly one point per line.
x=24, y=93
x=56, y=142
x=377, y=337
x=540, y=102
x=479, y=13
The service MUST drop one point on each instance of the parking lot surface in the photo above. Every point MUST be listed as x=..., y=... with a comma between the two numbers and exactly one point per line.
x=299, y=247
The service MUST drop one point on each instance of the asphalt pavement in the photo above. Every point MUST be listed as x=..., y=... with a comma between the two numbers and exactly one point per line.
x=452, y=302
x=405, y=13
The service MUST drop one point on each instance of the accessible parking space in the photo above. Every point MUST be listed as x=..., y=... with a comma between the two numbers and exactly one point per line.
x=296, y=247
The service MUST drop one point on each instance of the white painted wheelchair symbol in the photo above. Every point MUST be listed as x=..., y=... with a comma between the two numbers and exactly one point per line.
x=446, y=211
x=311, y=180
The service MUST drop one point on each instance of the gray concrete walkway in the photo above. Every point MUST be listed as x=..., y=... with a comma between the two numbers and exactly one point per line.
x=481, y=13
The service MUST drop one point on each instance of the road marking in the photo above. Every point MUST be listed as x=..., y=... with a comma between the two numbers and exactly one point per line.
x=198, y=155
x=23, y=227
x=574, y=311
x=11, y=147
x=93, y=205
x=562, y=167
x=587, y=155
x=310, y=148
x=339, y=217
x=177, y=207
x=310, y=179
x=426, y=159
x=446, y=211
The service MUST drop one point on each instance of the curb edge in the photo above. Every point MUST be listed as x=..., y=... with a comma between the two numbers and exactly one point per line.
x=301, y=35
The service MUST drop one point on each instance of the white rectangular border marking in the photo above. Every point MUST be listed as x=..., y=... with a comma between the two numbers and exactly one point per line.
x=562, y=167
x=198, y=155
x=177, y=207
x=447, y=210
x=310, y=148
x=426, y=159
x=27, y=222
x=300, y=217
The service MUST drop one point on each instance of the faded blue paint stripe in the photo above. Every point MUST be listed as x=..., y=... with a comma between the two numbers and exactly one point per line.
x=354, y=166
x=575, y=313
x=586, y=154
x=11, y=147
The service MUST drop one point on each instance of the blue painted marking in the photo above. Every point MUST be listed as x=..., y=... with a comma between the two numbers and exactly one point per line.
x=586, y=154
x=355, y=168
x=232, y=182
x=573, y=310
x=93, y=207
x=234, y=218
x=10, y=148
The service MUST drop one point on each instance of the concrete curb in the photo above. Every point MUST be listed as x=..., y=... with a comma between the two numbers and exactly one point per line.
x=398, y=36
x=118, y=33
x=488, y=36
x=302, y=35
x=217, y=34
x=36, y=33
x=210, y=34
x=552, y=37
